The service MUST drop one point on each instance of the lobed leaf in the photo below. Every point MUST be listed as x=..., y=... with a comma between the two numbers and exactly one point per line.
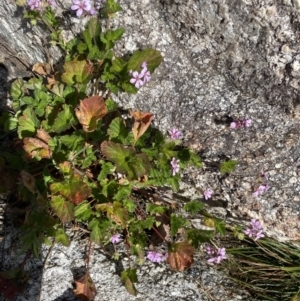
x=180, y=256
x=62, y=208
x=77, y=71
x=27, y=123
x=89, y=111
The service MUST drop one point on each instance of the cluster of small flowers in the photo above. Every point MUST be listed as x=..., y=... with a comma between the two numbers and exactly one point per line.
x=175, y=166
x=255, y=230
x=140, y=79
x=208, y=194
x=217, y=255
x=37, y=4
x=174, y=134
x=263, y=187
x=85, y=6
x=157, y=257
x=241, y=123
x=115, y=238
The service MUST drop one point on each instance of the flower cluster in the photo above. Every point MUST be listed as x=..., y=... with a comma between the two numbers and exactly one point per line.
x=263, y=187
x=175, y=166
x=115, y=238
x=156, y=257
x=38, y=4
x=208, y=194
x=241, y=123
x=140, y=79
x=83, y=6
x=255, y=230
x=174, y=134
x=217, y=255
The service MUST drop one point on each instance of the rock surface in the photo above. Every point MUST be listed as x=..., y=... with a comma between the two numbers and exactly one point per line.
x=223, y=59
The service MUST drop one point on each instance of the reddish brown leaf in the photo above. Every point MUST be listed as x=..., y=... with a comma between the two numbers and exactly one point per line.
x=180, y=256
x=41, y=134
x=36, y=147
x=141, y=123
x=28, y=181
x=42, y=68
x=89, y=111
x=85, y=288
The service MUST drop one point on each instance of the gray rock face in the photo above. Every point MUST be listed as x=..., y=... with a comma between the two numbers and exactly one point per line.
x=226, y=59
x=222, y=59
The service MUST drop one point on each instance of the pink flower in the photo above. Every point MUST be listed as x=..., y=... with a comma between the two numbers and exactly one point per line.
x=52, y=3
x=34, y=4
x=174, y=134
x=175, y=166
x=241, y=123
x=217, y=255
x=255, y=230
x=261, y=190
x=156, y=257
x=115, y=238
x=137, y=79
x=81, y=6
x=208, y=194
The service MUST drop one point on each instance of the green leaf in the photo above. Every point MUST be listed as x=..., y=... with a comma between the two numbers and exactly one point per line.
x=124, y=191
x=118, y=65
x=106, y=169
x=129, y=205
x=110, y=8
x=174, y=182
x=111, y=36
x=152, y=57
x=177, y=222
x=117, y=130
x=195, y=159
x=88, y=159
x=28, y=123
x=197, y=236
x=35, y=84
x=62, y=208
x=220, y=226
x=17, y=89
x=99, y=229
x=140, y=165
x=228, y=166
x=156, y=209
x=129, y=88
x=72, y=141
x=193, y=207
x=83, y=211
x=64, y=120
x=129, y=277
x=8, y=121
x=77, y=71
x=62, y=237
x=111, y=105
x=120, y=155
x=148, y=222
x=92, y=32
